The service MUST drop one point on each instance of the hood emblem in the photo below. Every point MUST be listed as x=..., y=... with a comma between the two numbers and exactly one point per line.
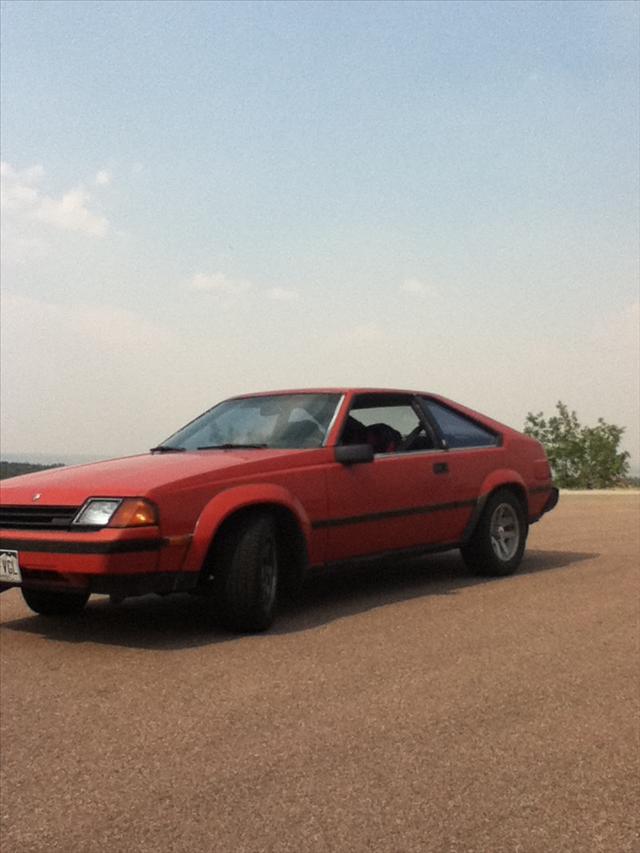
x=36, y=497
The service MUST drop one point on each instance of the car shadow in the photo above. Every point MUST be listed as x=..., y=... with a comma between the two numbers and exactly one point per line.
x=182, y=621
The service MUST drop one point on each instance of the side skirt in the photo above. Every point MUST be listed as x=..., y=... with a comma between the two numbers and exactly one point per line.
x=399, y=554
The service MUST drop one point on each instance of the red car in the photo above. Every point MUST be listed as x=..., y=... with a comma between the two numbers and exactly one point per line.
x=239, y=504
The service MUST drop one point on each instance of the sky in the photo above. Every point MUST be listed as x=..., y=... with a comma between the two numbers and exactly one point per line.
x=203, y=199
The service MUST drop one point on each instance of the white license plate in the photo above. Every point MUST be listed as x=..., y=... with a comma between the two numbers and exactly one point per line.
x=9, y=567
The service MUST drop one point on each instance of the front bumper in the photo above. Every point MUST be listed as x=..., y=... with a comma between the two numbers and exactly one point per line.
x=119, y=586
x=111, y=562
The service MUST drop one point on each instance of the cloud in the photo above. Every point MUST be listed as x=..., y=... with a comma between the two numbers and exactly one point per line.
x=282, y=294
x=17, y=191
x=103, y=178
x=220, y=283
x=24, y=203
x=223, y=285
x=71, y=213
x=417, y=287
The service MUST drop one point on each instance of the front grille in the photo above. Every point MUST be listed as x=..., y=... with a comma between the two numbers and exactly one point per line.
x=37, y=517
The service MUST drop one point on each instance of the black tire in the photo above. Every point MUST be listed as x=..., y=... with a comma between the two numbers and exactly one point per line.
x=247, y=574
x=498, y=541
x=50, y=603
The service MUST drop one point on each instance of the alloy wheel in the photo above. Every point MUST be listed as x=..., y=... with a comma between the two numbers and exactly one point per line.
x=504, y=532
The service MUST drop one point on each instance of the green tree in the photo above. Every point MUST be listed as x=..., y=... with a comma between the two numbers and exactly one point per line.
x=581, y=457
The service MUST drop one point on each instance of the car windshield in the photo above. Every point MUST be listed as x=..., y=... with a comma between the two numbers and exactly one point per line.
x=276, y=421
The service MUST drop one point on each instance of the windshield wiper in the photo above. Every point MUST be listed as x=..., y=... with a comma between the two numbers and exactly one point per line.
x=162, y=448
x=231, y=446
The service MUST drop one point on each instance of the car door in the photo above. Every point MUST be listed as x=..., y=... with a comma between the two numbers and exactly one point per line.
x=404, y=498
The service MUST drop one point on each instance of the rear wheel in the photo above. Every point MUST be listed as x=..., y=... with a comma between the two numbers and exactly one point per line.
x=497, y=544
x=246, y=574
x=50, y=603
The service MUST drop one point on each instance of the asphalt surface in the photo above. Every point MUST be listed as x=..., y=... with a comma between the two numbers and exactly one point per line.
x=407, y=708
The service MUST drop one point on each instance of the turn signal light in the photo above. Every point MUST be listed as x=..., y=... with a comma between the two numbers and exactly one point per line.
x=134, y=512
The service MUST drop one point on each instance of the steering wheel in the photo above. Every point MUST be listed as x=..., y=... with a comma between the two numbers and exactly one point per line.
x=407, y=442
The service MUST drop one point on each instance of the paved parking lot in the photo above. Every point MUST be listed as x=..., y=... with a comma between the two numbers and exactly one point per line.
x=406, y=708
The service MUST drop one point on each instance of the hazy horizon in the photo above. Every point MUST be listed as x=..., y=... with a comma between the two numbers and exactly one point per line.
x=205, y=199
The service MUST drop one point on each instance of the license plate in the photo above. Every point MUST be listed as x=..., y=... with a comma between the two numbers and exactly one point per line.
x=9, y=567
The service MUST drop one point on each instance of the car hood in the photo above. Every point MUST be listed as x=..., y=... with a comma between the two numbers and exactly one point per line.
x=146, y=475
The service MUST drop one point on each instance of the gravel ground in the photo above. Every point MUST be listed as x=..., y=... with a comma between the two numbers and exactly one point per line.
x=403, y=708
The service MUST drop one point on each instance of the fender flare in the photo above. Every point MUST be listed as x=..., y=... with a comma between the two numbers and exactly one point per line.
x=503, y=477
x=230, y=501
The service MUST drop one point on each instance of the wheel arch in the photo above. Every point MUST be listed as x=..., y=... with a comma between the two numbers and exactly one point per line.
x=497, y=480
x=229, y=508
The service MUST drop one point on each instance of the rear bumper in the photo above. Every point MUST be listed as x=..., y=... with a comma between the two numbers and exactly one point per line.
x=551, y=501
x=549, y=495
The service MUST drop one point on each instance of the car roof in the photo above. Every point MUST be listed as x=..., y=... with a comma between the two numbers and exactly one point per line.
x=334, y=390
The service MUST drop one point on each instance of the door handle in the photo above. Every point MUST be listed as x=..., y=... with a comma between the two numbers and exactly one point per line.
x=440, y=468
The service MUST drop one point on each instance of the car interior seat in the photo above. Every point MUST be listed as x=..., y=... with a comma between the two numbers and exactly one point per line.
x=383, y=438
x=354, y=432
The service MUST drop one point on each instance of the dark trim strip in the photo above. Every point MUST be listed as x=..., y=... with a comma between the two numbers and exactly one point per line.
x=538, y=490
x=59, y=547
x=394, y=513
x=142, y=583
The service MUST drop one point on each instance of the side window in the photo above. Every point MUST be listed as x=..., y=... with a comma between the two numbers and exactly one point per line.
x=388, y=423
x=458, y=430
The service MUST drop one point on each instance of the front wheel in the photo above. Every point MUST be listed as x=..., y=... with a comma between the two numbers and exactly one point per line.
x=50, y=603
x=247, y=574
x=497, y=544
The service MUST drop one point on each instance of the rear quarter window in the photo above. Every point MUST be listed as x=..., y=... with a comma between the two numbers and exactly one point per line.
x=457, y=429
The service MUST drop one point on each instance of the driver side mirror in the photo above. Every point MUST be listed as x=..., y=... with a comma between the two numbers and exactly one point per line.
x=351, y=454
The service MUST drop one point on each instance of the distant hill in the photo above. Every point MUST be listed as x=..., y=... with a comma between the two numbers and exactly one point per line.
x=51, y=458
x=15, y=469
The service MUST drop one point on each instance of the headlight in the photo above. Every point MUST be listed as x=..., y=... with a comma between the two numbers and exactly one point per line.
x=96, y=513
x=116, y=512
